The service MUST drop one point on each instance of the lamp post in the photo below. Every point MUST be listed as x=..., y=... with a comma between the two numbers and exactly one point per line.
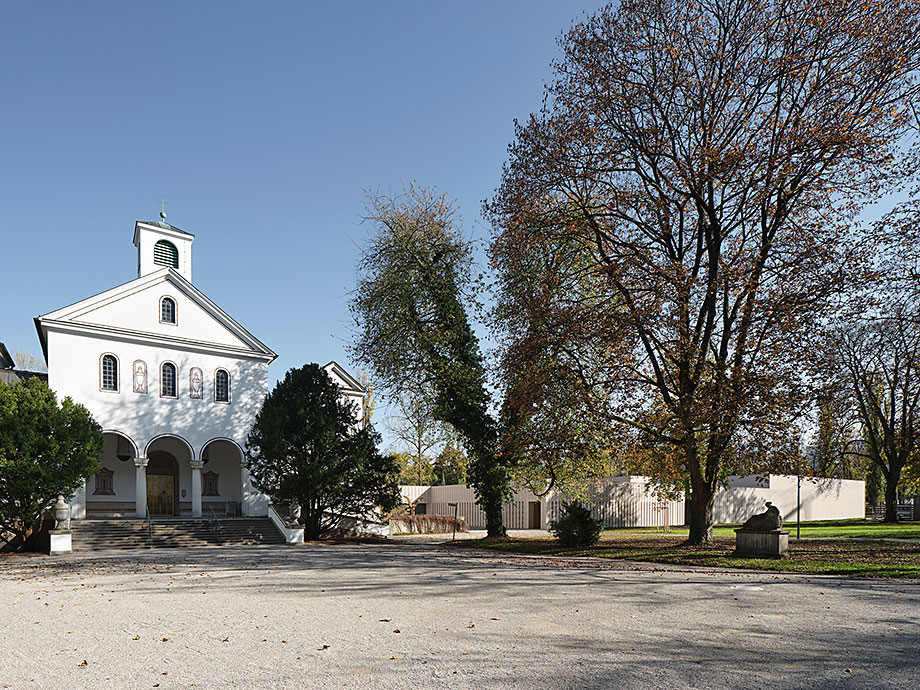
x=456, y=507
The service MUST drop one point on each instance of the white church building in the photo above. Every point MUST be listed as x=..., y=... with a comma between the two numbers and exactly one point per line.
x=173, y=380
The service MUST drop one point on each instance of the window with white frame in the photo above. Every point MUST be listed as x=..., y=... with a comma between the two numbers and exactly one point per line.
x=108, y=376
x=168, y=310
x=222, y=386
x=168, y=380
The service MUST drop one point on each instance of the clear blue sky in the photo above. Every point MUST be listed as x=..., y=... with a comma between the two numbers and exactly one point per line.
x=263, y=124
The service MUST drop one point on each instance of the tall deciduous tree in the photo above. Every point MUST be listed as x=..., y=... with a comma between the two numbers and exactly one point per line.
x=308, y=446
x=414, y=331
x=418, y=434
x=674, y=222
x=27, y=361
x=46, y=449
x=881, y=361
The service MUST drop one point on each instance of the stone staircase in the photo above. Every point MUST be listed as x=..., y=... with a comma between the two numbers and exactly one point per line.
x=93, y=535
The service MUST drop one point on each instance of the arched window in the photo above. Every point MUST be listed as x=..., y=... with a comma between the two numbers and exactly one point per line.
x=108, y=375
x=168, y=380
x=168, y=310
x=221, y=386
x=166, y=254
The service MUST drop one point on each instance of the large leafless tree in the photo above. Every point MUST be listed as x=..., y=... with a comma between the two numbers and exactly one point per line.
x=674, y=222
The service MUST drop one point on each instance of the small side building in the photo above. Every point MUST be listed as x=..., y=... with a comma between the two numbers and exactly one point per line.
x=632, y=502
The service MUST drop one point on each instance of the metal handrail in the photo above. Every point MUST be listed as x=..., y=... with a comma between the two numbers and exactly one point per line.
x=216, y=520
x=149, y=524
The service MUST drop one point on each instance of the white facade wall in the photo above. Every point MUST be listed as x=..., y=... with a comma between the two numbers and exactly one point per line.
x=822, y=499
x=74, y=370
x=181, y=426
x=631, y=502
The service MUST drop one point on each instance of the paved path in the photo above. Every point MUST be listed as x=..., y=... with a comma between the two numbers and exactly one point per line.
x=416, y=616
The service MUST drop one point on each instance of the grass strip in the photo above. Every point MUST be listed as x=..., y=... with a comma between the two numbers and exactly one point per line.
x=851, y=557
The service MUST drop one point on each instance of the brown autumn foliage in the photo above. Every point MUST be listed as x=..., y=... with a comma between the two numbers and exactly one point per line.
x=427, y=524
x=673, y=225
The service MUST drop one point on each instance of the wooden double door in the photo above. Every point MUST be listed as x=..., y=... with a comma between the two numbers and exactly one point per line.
x=162, y=485
x=161, y=494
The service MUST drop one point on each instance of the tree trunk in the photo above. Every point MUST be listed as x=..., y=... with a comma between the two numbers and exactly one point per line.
x=311, y=520
x=699, y=512
x=491, y=501
x=490, y=483
x=495, y=525
x=891, y=500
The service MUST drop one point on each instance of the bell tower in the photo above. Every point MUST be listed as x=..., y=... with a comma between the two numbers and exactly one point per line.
x=160, y=245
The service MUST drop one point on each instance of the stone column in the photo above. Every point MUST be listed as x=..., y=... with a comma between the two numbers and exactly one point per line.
x=196, y=487
x=140, y=487
x=245, y=489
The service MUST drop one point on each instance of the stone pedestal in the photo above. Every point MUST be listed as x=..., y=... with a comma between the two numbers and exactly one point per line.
x=61, y=541
x=772, y=543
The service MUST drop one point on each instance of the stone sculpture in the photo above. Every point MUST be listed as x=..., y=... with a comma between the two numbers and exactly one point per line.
x=767, y=521
x=61, y=514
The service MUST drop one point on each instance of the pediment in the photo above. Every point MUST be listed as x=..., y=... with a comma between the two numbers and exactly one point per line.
x=343, y=379
x=133, y=309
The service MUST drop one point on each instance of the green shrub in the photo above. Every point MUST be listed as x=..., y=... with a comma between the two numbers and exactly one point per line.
x=576, y=527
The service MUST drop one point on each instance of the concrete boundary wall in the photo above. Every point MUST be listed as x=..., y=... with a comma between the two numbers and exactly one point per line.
x=632, y=502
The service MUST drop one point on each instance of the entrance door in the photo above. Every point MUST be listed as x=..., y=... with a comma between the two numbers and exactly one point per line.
x=161, y=494
x=534, y=515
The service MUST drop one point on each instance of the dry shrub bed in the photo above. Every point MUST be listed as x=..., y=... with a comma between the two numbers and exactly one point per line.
x=866, y=558
x=427, y=524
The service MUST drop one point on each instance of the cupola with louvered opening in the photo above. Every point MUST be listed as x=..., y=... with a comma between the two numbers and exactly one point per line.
x=160, y=245
x=165, y=254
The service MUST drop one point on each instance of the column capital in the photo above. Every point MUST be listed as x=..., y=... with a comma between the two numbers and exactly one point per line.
x=196, y=464
x=140, y=462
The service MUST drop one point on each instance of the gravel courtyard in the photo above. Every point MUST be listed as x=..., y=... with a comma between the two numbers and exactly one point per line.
x=408, y=615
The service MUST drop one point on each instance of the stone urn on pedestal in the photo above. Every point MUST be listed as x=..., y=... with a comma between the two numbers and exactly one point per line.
x=61, y=538
x=762, y=535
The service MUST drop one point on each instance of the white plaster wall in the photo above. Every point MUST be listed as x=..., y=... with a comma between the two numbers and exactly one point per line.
x=224, y=459
x=73, y=370
x=822, y=499
x=123, y=479
x=356, y=399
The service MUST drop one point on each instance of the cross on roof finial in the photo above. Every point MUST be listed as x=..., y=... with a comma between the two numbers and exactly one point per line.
x=163, y=205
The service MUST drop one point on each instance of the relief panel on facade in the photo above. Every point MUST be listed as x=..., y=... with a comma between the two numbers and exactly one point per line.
x=140, y=376
x=196, y=384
